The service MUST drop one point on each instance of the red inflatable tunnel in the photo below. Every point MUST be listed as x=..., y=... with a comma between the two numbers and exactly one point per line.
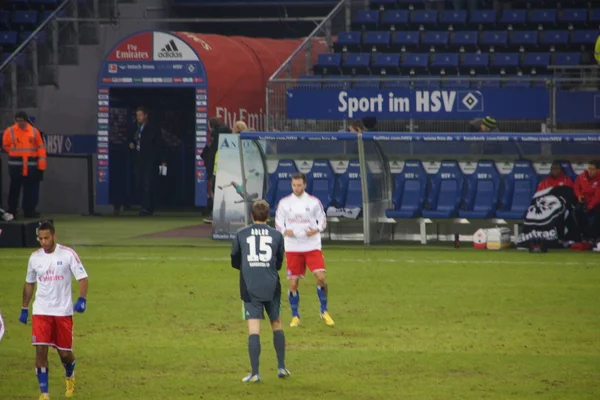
x=238, y=69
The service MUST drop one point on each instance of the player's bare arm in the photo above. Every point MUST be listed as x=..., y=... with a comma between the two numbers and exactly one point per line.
x=28, y=289
x=83, y=287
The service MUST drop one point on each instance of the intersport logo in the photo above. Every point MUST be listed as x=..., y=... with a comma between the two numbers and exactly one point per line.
x=170, y=51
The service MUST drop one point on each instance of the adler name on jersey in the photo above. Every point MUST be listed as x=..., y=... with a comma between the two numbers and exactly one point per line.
x=52, y=272
x=299, y=214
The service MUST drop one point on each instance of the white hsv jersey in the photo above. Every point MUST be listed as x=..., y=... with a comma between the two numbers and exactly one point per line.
x=52, y=273
x=301, y=213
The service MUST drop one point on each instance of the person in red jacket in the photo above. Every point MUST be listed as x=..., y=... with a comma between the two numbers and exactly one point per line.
x=557, y=177
x=587, y=190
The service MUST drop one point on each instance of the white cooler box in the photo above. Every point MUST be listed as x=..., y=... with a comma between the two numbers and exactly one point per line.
x=492, y=238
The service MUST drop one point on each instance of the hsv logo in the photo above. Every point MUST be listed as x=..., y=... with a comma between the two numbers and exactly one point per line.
x=112, y=68
x=136, y=48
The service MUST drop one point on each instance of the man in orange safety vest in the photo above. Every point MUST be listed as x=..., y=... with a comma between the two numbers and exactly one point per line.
x=26, y=163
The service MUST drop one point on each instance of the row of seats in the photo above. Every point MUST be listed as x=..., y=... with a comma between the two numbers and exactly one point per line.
x=445, y=63
x=479, y=19
x=450, y=193
x=9, y=5
x=532, y=4
x=493, y=41
x=341, y=82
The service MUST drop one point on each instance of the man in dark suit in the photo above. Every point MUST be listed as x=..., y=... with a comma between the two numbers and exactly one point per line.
x=149, y=152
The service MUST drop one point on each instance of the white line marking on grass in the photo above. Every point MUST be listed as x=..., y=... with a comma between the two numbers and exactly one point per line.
x=126, y=257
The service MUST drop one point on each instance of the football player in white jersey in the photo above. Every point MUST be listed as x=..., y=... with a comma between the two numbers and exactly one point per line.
x=51, y=268
x=301, y=219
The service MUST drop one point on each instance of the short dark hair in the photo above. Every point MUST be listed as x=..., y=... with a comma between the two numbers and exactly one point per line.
x=46, y=226
x=260, y=211
x=595, y=163
x=299, y=175
x=214, y=122
x=142, y=109
x=21, y=115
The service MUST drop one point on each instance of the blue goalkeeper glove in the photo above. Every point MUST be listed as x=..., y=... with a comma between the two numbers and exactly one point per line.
x=80, y=305
x=24, y=315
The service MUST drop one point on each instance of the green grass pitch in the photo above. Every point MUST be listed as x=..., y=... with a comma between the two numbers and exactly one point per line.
x=412, y=322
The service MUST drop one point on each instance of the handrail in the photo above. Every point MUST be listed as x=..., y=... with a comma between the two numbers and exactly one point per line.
x=31, y=37
x=308, y=38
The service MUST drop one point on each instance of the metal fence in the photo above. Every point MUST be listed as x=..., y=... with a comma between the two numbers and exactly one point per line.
x=321, y=40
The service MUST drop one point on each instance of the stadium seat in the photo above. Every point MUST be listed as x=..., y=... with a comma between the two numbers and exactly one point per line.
x=4, y=19
x=328, y=64
x=445, y=193
x=483, y=18
x=384, y=4
x=555, y=40
x=535, y=63
x=518, y=189
x=8, y=40
x=348, y=41
x=26, y=19
x=47, y=4
x=573, y=17
x=376, y=41
x=436, y=41
x=348, y=192
x=406, y=41
x=280, y=183
x=423, y=19
x=585, y=39
x=523, y=40
x=366, y=20
x=595, y=18
x=444, y=64
x=320, y=182
x=513, y=19
x=414, y=63
x=543, y=18
x=568, y=170
x=464, y=41
x=494, y=40
x=386, y=64
x=475, y=63
x=395, y=20
x=481, y=197
x=505, y=63
x=303, y=82
x=356, y=63
x=455, y=19
x=566, y=59
x=410, y=187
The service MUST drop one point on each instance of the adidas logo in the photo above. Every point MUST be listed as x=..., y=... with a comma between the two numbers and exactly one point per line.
x=170, y=50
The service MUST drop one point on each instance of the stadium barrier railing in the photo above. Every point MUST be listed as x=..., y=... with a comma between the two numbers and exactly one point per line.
x=381, y=157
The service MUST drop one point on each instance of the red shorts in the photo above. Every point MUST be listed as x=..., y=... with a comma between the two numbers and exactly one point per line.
x=52, y=331
x=297, y=263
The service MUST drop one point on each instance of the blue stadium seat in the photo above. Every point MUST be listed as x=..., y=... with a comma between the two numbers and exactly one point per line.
x=409, y=191
x=483, y=187
x=348, y=41
x=494, y=40
x=376, y=41
x=585, y=38
x=366, y=20
x=568, y=170
x=475, y=63
x=595, y=18
x=464, y=41
x=348, y=192
x=573, y=17
x=444, y=63
x=523, y=40
x=484, y=18
x=387, y=64
x=40, y=37
x=513, y=19
x=328, y=64
x=436, y=40
x=445, y=193
x=543, y=18
x=280, y=183
x=406, y=41
x=320, y=182
x=8, y=40
x=366, y=84
x=395, y=20
x=356, y=63
x=384, y=4
x=536, y=62
x=26, y=19
x=505, y=63
x=414, y=63
x=4, y=19
x=518, y=189
x=303, y=84
x=555, y=40
x=46, y=3
x=426, y=19
x=566, y=59
x=456, y=19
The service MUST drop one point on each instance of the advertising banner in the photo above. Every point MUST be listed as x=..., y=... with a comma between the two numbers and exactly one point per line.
x=233, y=201
x=577, y=106
x=506, y=103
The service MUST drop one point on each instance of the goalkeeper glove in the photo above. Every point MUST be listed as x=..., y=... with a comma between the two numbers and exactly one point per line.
x=80, y=305
x=24, y=315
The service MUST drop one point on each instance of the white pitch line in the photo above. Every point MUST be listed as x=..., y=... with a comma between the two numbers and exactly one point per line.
x=123, y=257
